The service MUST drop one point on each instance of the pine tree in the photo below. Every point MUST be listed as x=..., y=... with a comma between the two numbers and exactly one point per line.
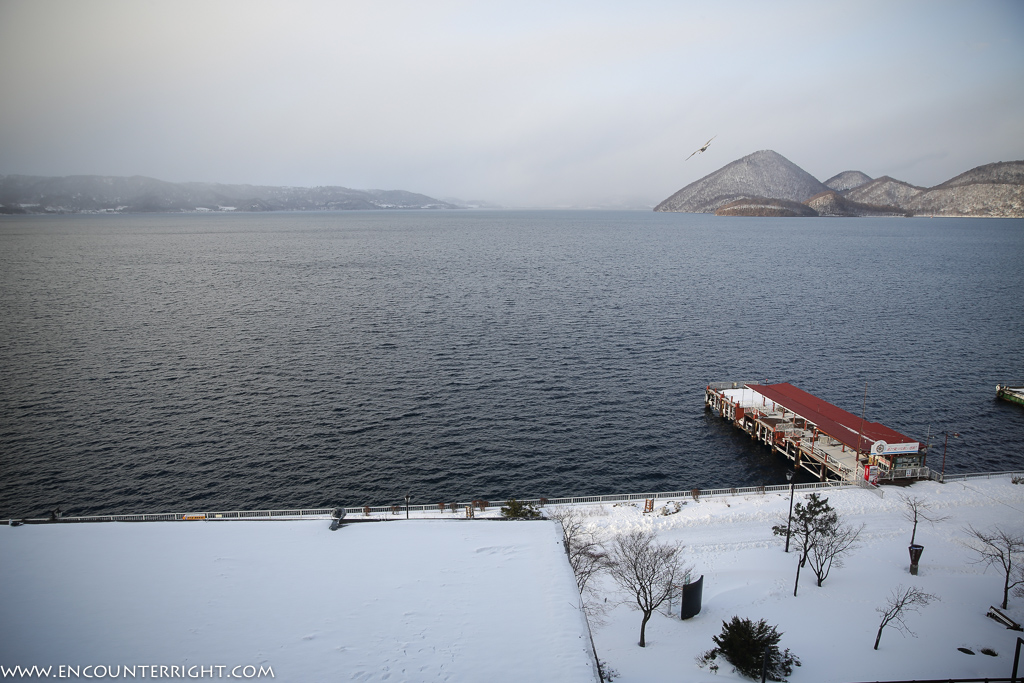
x=515, y=509
x=810, y=522
x=748, y=646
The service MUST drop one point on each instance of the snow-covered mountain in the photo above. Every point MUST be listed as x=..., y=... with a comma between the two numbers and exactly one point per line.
x=761, y=174
x=999, y=173
x=993, y=190
x=847, y=180
x=765, y=183
x=833, y=203
x=885, y=191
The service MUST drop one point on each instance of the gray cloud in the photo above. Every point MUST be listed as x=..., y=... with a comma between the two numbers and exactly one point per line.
x=551, y=104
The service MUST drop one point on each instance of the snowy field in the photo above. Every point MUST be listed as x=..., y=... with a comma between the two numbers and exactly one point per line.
x=404, y=601
x=459, y=600
x=832, y=628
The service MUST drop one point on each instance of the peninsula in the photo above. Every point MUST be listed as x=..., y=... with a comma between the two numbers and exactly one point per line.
x=20, y=194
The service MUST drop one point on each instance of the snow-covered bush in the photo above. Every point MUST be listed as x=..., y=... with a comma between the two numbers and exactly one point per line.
x=607, y=672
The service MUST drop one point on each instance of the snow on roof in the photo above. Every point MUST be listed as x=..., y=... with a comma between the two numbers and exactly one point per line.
x=411, y=600
x=834, y=421
x=744, y=397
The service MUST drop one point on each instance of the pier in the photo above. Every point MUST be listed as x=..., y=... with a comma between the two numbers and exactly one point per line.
x=818, y=437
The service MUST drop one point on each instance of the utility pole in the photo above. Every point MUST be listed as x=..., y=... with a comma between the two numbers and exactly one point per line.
x=789, y=522
x=945, y=442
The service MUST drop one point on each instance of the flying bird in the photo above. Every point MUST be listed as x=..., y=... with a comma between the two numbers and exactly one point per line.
x=702, y=149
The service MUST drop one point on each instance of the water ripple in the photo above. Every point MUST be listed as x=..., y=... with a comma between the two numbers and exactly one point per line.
x=251, y=361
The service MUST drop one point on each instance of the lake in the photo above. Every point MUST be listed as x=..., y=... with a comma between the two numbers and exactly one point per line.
x=248, y=361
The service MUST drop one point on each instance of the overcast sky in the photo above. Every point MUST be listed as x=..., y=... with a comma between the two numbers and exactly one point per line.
x=521, y=103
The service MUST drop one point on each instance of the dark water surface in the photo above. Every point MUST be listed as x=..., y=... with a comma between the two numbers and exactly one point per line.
x=178, y=362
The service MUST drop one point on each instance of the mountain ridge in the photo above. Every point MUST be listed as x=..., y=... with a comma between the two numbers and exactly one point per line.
x=766, y=183
x=141, y=194
x=834, y=203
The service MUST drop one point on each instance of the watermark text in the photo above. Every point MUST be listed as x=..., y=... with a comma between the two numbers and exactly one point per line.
x=129, y=671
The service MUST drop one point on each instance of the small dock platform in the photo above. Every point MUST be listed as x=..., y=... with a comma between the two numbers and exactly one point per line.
x=822, y=439
x=1013, y=394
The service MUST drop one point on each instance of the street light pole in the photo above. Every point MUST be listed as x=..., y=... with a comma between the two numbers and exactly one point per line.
x=942, y=476
x=789, y=522
x=407, y=499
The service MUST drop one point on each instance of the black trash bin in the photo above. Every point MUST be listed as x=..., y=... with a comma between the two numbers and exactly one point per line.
x=693, y=593
x=915, y=557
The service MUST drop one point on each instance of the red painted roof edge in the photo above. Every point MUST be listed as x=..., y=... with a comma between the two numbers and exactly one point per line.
x=821, y=413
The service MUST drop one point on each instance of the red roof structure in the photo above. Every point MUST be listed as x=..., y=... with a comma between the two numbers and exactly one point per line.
x=853, y=431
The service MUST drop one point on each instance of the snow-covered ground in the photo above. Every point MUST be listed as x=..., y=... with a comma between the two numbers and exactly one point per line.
x=460, y=600
x=832, y=628
x=421, y=600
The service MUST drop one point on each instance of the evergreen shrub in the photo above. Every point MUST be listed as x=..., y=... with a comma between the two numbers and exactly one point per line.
x=515, y=509
x=742, y=643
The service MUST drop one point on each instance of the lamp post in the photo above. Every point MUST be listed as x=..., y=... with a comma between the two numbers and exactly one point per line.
x=407, y=499
x=789, y=522
x=942, y=475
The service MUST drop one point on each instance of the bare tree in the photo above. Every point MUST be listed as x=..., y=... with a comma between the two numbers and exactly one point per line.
x=587, y=554
x=833, y=544
x=647, y=570
x=901, y=601
x=917, y=509
x=1000, y=549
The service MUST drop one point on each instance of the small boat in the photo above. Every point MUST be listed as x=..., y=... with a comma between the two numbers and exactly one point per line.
x=1012, y=394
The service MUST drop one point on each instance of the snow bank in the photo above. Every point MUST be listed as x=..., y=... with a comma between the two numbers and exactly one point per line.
x=460, y=600
x=415, y=600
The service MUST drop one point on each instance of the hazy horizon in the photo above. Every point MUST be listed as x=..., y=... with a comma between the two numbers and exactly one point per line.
x=525, y=104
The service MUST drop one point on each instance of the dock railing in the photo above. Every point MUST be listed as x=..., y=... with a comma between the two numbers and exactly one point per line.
x=721, y=386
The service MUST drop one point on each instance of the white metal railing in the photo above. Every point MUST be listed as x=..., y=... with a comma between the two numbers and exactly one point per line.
x=877, y=490
x=977, y=475
x=397, y=509
x=192, y=516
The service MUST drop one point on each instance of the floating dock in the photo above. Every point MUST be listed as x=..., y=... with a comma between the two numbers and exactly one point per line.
x=824, y=440
x=1011, y=394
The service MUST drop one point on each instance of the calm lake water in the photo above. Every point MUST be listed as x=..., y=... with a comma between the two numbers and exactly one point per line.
x=198, y=362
